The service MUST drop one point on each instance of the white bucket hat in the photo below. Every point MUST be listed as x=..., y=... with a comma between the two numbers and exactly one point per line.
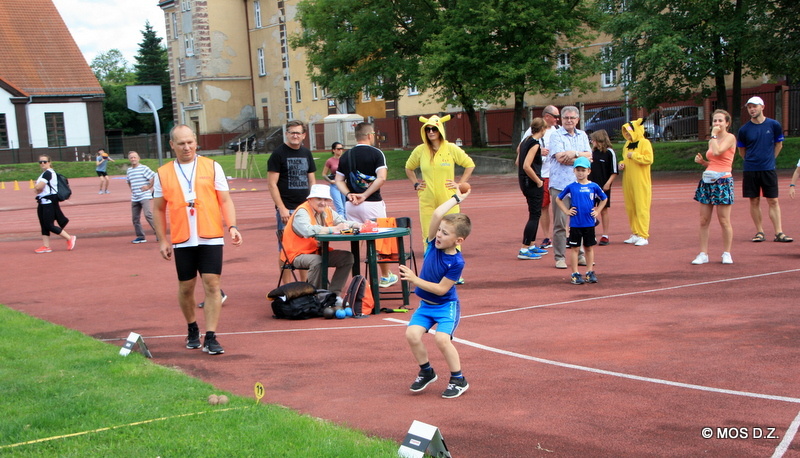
x=321, y=191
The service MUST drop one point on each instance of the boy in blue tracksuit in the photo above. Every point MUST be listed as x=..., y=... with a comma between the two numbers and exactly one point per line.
x=582, y=217
x=436, y=289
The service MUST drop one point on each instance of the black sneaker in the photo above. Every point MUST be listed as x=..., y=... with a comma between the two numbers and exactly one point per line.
x=424, y=378
x=212, y=347
x=455, y=388
x=193, y=339
x=224, y=298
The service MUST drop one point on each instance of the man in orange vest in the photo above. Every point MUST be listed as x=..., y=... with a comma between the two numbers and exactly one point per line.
x=195, y=191
x=313, y=217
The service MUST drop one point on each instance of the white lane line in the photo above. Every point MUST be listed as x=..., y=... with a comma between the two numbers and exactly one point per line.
x=633, y=293
x=620, y=374
x=788, y=437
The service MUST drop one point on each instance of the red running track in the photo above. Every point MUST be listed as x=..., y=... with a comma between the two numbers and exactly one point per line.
x=635, y=365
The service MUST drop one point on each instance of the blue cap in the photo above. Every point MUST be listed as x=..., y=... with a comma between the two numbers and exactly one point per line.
x=582, y=162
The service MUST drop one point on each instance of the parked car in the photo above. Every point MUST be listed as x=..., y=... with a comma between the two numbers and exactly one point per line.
x=674, y=122
x=609, y=118
x=259, y=143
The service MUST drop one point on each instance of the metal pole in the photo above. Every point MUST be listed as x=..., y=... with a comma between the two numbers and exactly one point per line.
x=158, y=129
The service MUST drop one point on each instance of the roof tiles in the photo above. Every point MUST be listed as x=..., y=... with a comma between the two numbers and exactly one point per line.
x=37, y=53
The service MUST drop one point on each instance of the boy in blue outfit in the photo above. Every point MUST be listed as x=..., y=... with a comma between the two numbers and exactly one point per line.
x=582, y=217
x=436, y=289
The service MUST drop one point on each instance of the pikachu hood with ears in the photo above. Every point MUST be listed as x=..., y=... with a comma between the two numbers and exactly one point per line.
x=436, y=122
x=636, y=130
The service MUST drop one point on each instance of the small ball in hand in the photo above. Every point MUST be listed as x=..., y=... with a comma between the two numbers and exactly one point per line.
x=464, y=187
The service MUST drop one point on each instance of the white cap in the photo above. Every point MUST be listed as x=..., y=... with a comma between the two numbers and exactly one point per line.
x=755, y=101
x=322, y=191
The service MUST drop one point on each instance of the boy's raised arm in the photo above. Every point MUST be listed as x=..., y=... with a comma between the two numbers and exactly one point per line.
x=439, y=213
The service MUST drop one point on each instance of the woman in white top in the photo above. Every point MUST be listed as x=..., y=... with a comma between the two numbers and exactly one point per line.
x=48, y=210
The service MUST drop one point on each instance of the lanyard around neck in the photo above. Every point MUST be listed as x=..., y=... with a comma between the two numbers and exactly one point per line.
x=188, y=180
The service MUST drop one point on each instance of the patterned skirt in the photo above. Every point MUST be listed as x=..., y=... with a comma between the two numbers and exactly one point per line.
x=719, y=192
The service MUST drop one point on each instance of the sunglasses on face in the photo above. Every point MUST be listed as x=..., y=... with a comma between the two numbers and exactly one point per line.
x=431, y=129
x=338, y=149
x=553, y=115
x=43, y=162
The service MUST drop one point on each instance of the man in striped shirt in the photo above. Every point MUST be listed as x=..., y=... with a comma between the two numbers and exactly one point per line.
x=140, y=179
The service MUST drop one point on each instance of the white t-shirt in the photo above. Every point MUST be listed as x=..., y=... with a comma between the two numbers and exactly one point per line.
x=46, y=191
x=184, y=172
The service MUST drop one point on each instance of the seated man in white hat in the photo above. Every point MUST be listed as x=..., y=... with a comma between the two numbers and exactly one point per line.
x=312, y=217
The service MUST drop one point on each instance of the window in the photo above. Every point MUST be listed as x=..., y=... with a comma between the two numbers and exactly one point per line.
x=257, y=8
x=297, y=95
x=3, y=131
x=413, y=90
x=186, y=5
x=563, y=61
x=188, y=42
x=56, y=135
x=380, y=84
x=194, y=93
x=608, y=78
x=314, y=91
x=174, y=26
x=262, y=66
x=365, y=97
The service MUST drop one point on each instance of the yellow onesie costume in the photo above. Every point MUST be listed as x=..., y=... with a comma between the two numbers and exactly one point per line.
x=636, y=185
x=437, y=167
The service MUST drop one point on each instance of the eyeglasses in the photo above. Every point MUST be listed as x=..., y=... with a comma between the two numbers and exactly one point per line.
x=371, y=133
x=570, y=117
x=431, y=129
x=553, y=115
x=43, y=162
x=338, y=149
x=295, y=133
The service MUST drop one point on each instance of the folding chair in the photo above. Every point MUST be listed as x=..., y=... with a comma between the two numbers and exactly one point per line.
x=402, y=221
x=286, y=264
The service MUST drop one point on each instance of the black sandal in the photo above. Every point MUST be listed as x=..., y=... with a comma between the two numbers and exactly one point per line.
x=759, y=237
x=781, y=237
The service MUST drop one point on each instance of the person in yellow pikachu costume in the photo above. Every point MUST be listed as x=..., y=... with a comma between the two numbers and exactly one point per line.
x=437, y=159
x=636, y=184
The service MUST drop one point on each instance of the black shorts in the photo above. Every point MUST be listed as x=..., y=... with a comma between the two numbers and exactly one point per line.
x=581, y=234
x=205, y=259
x=101, y=174
x=760, y=183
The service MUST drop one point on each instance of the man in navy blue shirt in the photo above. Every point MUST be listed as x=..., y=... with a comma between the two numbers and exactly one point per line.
x=760, y=141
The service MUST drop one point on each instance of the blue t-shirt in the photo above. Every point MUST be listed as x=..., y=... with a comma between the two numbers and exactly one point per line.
x=437, y=265
x=582, y=197
x=759, y=142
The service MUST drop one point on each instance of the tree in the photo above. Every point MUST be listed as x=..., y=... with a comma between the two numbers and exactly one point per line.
x=152, y=68
x=111, y=67
x=113, y=73
x=676, y=49
x=467, y=52
x=777, y=32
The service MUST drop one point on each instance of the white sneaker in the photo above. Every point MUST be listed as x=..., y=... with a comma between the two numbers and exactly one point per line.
x=701, y=258
x=726, y=258
x=632, y=239
x=641, y=242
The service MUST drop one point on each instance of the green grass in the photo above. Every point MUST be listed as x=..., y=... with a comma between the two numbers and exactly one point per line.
x=669, y=156
x=59, y=382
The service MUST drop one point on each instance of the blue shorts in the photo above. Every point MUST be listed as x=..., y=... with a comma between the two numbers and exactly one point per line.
x=445, y=316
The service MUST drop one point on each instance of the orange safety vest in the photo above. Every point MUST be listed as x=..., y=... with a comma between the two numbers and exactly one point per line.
x=294, y=244
x=207, y=206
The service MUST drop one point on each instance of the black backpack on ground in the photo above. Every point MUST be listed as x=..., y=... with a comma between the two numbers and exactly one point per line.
x=298, y=301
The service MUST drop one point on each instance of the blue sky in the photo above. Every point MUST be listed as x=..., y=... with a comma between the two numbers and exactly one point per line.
x=100, y=25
